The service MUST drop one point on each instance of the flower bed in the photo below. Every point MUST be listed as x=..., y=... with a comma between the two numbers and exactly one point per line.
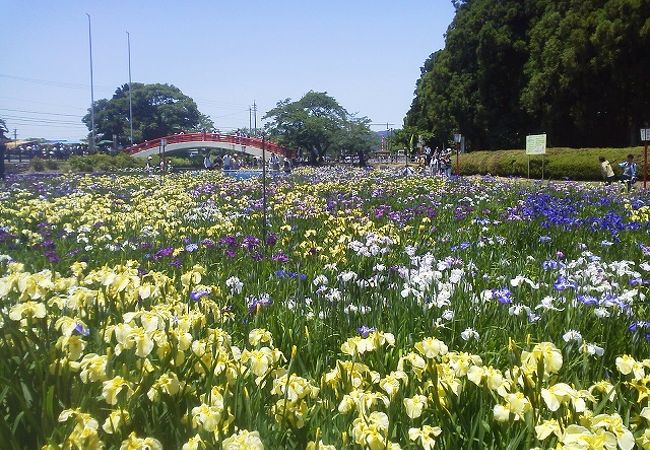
x=373, y=311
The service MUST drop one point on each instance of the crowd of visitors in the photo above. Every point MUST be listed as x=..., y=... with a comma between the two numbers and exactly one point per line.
x=435, y=162
x=229, y=162
x=45, y=151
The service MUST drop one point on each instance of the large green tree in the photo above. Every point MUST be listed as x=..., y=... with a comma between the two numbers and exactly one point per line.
x=316, y=124
x=573, y=69
x=158, y=110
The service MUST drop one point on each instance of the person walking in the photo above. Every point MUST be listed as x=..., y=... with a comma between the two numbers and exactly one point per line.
x=148, y=168
x=207, y=163
x=434, y=165
x=227, y=162
x=629, y=172
x=287, y=165
x=607, y=171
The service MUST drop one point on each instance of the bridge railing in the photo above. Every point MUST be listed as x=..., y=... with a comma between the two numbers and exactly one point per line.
x=211, y=137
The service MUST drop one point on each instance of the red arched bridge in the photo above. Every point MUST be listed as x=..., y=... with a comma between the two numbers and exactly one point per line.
x=233, y=143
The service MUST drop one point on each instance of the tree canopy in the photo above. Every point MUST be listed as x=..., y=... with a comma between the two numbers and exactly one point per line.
x=3, y=129
x=574, y=69
x=158, y=110
x=316, y=124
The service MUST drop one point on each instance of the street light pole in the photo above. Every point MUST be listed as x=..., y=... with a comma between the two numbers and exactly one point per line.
x=92, y=89
x=128, y=40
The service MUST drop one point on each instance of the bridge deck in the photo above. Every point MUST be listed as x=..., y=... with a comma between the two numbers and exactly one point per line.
x=194, y=140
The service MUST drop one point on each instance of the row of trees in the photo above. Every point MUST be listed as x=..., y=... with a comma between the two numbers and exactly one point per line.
x=575, y=69
x=315, y=125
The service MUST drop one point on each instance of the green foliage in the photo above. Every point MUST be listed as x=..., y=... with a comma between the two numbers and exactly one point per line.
x=316, y=124
x=510, y=68
x=102, y=163
x=3, y=129
x=158, y=110
x=37, y=164
x=560, y=163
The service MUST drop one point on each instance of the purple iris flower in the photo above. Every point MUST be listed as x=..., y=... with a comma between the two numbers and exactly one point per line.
x=503, y=295
x=228, y=241
x=280, y=257
x=80, y=329
x=550, y=264
x=271, y=239
x=163, y=252
x=176, y=262
x=640, y=324
x=195, y=296
x=563, y=283
x=207, y=243
x=587, y=300
x=365, y=331
x=263, y=301
x=250, y=242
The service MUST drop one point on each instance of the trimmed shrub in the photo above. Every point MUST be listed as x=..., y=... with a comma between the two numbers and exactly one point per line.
x=559, y=163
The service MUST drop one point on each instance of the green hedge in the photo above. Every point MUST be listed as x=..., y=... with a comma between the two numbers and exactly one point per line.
x=560, y=163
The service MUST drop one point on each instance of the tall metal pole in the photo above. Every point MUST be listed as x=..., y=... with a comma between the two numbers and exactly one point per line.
x=92, y=89
x=250, y=119
x=264, y=188
x=128, y=40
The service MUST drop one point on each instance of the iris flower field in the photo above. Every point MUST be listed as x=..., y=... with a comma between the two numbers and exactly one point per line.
x=372, y=311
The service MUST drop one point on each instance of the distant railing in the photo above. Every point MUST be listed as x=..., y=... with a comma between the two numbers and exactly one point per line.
x=209, y=137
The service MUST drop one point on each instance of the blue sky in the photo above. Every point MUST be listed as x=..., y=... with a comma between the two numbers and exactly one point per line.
x=224, y=54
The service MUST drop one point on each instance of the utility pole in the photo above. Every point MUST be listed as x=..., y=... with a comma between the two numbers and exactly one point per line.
x=20, y=155
x=255, y=115
x=250, y=119
x=92, y=90
x=128, y=40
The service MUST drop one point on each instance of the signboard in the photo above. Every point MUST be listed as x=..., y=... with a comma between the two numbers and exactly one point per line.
x=645, y=134
x=457, y=138
x=536, y=144
x=163, y=141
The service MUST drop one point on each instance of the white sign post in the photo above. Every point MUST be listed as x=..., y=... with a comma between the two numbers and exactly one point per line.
x=645, y=137
x=645, y=134
x=536, y=145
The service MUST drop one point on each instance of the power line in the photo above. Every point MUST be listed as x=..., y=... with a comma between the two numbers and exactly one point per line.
x=43, y=125
x=43, y=103
x=39, y=119
x=38, y=112
x=62, y=84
